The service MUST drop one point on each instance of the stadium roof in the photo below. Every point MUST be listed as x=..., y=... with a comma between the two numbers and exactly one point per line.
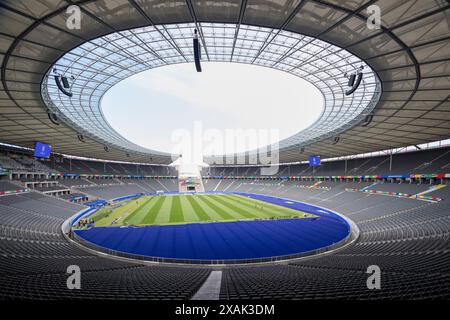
x=98, y=64
x=410, y=54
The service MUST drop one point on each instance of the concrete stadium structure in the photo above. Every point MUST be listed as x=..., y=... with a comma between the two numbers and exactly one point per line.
x=400, y=202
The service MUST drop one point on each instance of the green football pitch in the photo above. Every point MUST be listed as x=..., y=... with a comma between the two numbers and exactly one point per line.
x=179, y=209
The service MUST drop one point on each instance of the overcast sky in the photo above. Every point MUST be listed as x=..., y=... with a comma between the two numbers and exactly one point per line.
x=160, y=108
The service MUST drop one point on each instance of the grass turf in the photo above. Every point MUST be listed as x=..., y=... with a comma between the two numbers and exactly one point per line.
x=179, y=209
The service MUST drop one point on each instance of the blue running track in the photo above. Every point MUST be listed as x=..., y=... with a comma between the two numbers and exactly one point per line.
x=239, y=240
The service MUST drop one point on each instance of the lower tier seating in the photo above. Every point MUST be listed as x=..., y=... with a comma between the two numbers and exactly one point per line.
x=407, y=238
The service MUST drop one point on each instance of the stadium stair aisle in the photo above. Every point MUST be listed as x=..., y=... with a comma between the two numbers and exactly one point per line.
x=210, y=290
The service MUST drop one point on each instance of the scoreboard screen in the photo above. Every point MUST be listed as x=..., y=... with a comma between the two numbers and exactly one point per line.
x=314, y=161
x=42, y=150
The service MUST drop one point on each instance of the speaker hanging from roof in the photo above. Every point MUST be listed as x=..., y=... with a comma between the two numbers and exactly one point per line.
x=354, y=80
x=81, y=137
x=62, y=82
x=53, y=117
x=351, y=80
x=64, y=85
x=106, y=148
x=367, y=120
x=197, y=52
x=336, y=140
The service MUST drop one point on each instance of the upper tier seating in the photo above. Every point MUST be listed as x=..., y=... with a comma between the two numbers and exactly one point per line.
x=428, y=161
x=8, y=163
x=109, y=192
x=22, y=163
x=99, y=168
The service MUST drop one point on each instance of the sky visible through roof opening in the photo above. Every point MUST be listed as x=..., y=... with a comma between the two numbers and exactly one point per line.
x=227, y=108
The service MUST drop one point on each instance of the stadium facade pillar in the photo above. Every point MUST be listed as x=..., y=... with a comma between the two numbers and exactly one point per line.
x=390, y=162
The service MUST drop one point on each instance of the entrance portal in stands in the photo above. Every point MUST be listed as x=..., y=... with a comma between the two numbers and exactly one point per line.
x=189, y=178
